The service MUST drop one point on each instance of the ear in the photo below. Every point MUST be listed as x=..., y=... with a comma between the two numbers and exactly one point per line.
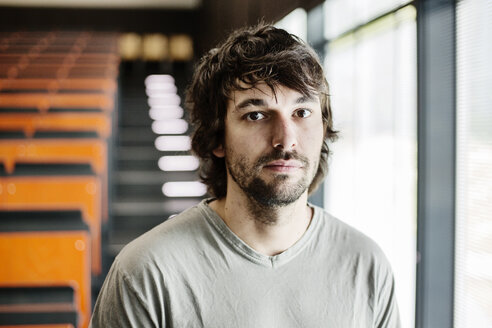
x=219, y=151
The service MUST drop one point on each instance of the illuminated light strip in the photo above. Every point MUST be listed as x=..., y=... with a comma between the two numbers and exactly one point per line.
x=173, y=143
x=178, y=163
x=159, y=78
x=157, y=92
x=161, y=86
x=184, y=189
x=166, y=113
x=176, y=126
x=164, y=100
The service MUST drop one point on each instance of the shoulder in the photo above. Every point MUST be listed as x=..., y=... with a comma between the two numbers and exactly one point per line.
x=169, y=241
x=350, y=242
x=351, y=249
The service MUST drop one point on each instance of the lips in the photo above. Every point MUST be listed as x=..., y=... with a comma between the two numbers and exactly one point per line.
x=284, y=165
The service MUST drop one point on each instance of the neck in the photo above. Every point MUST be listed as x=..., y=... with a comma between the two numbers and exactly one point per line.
x=270, y=230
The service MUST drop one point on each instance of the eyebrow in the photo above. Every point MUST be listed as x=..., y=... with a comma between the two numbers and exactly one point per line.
x=256, y=102
x=251, y=102
x=306, y=98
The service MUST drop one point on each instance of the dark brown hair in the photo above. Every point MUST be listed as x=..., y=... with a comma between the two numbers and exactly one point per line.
x=248, y=56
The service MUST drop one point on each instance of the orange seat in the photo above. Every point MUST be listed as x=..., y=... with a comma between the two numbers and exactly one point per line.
x=43, y=102
x=94, y=84
x=101, y=69
x=49, y=258
x=57, y=42
x=93, y=151
x=60, y=48
x=40, y=326
x=65, y=122
x=59, y=72
x=58, y=151
x=45, y=58
x=58, y=193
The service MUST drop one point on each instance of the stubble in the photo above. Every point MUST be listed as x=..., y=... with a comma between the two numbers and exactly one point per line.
x=264, y=197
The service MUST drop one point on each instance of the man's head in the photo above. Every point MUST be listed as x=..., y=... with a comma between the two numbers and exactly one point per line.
x=249, y=58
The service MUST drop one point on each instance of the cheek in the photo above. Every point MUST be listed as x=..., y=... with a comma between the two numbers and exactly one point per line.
x=245, y=141
x=249, y=147
x=312, y=138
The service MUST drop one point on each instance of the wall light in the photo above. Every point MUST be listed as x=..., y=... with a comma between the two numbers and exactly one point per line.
x=164, y=100
x=158, y=78
x=176, y=126
x=184, y=189
x=160, y=89
x=173, y=143
x=166, y=112
x=178, y=163
x=155, y=47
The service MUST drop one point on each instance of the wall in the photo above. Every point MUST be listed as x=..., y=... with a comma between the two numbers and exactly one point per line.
x=208, y=24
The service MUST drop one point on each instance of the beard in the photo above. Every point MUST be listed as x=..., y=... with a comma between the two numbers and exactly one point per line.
x=279, y=191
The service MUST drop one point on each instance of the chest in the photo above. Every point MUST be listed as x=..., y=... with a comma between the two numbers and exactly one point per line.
x=297, y=295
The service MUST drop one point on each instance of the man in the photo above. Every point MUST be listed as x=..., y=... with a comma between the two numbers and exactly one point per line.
x=256, y=254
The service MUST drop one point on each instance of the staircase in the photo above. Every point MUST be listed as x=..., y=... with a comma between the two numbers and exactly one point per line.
x=138, y=203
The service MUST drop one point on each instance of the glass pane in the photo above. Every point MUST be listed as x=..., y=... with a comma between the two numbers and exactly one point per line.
x=372, y=180
x=344, y=15
x=473, y=275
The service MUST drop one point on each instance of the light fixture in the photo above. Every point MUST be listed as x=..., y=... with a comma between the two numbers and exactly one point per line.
x=158, y=78
x=178, y=163
x=160, y=89
x=164, y=100
x=166, y=112
x=176, y=126
x=184, y=189
x=173, y=143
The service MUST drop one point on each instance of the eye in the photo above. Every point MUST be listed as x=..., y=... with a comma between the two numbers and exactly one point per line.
x=254, y=116
x=303, y=113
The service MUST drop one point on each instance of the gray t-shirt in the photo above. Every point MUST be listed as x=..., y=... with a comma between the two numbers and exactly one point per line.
x=193, y=271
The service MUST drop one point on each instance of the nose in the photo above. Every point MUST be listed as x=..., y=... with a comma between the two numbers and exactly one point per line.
x=284, y=135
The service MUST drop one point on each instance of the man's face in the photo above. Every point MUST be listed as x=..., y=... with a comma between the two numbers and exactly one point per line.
x=272, y=143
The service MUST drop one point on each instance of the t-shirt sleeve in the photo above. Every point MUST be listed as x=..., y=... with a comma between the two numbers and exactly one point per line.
x=120, y=304
x=387, y=313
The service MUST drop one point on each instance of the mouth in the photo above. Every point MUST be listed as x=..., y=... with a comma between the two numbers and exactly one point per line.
x=284, y=166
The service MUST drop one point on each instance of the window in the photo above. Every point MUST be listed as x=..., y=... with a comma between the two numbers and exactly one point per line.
x=371, y=68
x=473, y=266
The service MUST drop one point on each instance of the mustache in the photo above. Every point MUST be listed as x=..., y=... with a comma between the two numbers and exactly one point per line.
x=281, y=155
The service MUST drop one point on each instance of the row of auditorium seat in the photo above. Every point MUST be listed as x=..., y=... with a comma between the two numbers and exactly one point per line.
x=58, y=94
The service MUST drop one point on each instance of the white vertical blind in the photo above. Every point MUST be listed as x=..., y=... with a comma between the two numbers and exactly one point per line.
x=473, y=267
x=372, y=179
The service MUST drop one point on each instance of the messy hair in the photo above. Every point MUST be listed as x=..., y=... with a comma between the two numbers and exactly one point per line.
x=252, y=55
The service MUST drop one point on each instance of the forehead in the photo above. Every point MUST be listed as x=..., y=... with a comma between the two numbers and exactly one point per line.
x=280, y=95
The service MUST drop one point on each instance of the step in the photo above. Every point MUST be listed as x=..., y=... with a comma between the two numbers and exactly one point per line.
x=166, y=207
x=156, y=177
x=136, y=119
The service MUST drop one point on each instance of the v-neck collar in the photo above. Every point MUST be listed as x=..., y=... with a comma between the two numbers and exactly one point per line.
x=248, y=252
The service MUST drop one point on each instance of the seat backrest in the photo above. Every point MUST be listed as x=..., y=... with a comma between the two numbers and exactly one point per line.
x=46, y=259
x=65, y=151
x=63, y=122
x=43, y=102
x=106, y=85
x=58, y=193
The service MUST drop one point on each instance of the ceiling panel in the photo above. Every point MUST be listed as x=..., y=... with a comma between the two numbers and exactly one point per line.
x=162, y=4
